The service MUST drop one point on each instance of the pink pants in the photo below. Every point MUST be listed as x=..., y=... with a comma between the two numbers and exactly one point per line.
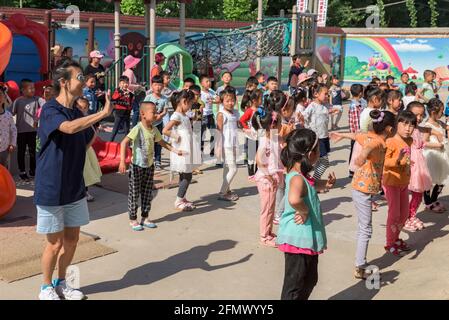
x=398, y=211
x=415, y=202
x=267, y=193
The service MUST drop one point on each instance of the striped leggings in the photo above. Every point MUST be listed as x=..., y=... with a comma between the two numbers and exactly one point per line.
x=321, y=167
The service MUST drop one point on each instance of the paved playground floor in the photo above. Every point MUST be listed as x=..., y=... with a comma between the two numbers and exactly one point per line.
x=213, y=252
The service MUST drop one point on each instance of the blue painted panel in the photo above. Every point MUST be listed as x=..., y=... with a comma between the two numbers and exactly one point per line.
x=25, y=60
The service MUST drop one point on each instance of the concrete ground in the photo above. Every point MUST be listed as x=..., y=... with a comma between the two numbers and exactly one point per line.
x=213, y=252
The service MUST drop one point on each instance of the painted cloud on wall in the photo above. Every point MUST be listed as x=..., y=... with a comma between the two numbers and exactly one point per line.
x=409, y=45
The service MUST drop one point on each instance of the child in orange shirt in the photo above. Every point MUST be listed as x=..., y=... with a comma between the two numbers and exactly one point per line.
x=367, y=179
x=395, y=180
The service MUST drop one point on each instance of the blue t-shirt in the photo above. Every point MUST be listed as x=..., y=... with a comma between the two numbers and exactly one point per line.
x=60, y=159
x=161, y=104
x=90, y=95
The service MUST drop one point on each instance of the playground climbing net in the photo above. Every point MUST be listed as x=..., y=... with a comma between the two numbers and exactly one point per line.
x=269, y=38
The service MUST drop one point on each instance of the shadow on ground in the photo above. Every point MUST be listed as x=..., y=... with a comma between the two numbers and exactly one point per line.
x=146, y=274
x=367, y=290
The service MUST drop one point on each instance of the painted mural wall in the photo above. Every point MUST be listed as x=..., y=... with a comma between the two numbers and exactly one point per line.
x=369, y=56
x=328, y=49
x=104, y=41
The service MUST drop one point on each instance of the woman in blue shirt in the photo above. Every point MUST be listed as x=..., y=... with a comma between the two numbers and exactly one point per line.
x=64, y=135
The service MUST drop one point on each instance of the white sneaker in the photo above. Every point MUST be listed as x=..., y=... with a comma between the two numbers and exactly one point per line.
x=48, y=293
x=63, y=290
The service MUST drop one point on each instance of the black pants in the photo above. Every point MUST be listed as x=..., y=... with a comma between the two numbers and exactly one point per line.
x=184, y=182
x=350, y=154
x=121, y=119
x=140, y=185
x=158, y=147
x=301, y=276
x=208, y=122
x=431, y=197
x=24, y=140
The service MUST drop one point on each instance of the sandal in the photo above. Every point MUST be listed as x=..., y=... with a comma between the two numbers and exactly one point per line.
x=394, y=250
x=410, y=225
x=418, y=223
x=182, y=206
x=190, y=204
x=402, y=245
x=374, y=206
x=228, y=197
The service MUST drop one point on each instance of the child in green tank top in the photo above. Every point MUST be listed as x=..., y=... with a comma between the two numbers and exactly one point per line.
x=301, y=235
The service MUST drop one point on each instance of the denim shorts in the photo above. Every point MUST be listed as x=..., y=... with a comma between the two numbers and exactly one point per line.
x=325, y=147
x=53, y=219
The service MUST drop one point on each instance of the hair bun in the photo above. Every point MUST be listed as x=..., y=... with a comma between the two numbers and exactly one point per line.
x=375, y=114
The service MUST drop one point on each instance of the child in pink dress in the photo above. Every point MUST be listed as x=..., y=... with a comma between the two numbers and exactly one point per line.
x=270, y=174
x=420, y=179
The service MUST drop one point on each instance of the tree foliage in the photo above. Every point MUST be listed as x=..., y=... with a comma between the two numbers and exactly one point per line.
x=412, y=13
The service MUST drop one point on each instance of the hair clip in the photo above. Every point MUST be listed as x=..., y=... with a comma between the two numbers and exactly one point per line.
x=261, y=112
x=381, y=117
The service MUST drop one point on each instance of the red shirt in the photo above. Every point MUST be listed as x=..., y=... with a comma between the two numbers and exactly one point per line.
x=122, y=101
x=246, y=117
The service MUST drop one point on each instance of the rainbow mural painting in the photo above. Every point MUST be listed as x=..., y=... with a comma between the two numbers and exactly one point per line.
x=382, y=46
x=366, y=57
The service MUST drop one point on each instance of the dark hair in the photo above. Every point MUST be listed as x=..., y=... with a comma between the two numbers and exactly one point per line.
x=255, y=95
x=274, y=79
x=125, y=79
x=434, y=105
x=275, y=101
x=203, y=76
x=189, y=80
x=411, y=88
x=245, y=100
x=300, y=95
x=228, y=91
x=389, y=77
x=407, y=117
x=195, y=88
x=227, y=72
x=259, y=74
x=25, y=80
x=300, y=143
x=143, y=102
x=177, y=96
x=404, y=73
x=157, y=79
x=90, y=76
x=64, y=52
x=64, y=72
x=387, y=120
x=394, y=95
x=251, y=81
x=415, y=104
x=374, y=92
x=316, y=89
x=383, y=84
x=295, y=57
x=164, y=73
x=263, y=119
x=356, y=89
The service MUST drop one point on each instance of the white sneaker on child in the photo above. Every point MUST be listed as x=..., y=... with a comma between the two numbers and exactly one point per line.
x=48, y=293
x=64, y=290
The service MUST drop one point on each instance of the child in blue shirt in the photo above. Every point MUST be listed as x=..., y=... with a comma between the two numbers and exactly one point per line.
x=90, y=94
